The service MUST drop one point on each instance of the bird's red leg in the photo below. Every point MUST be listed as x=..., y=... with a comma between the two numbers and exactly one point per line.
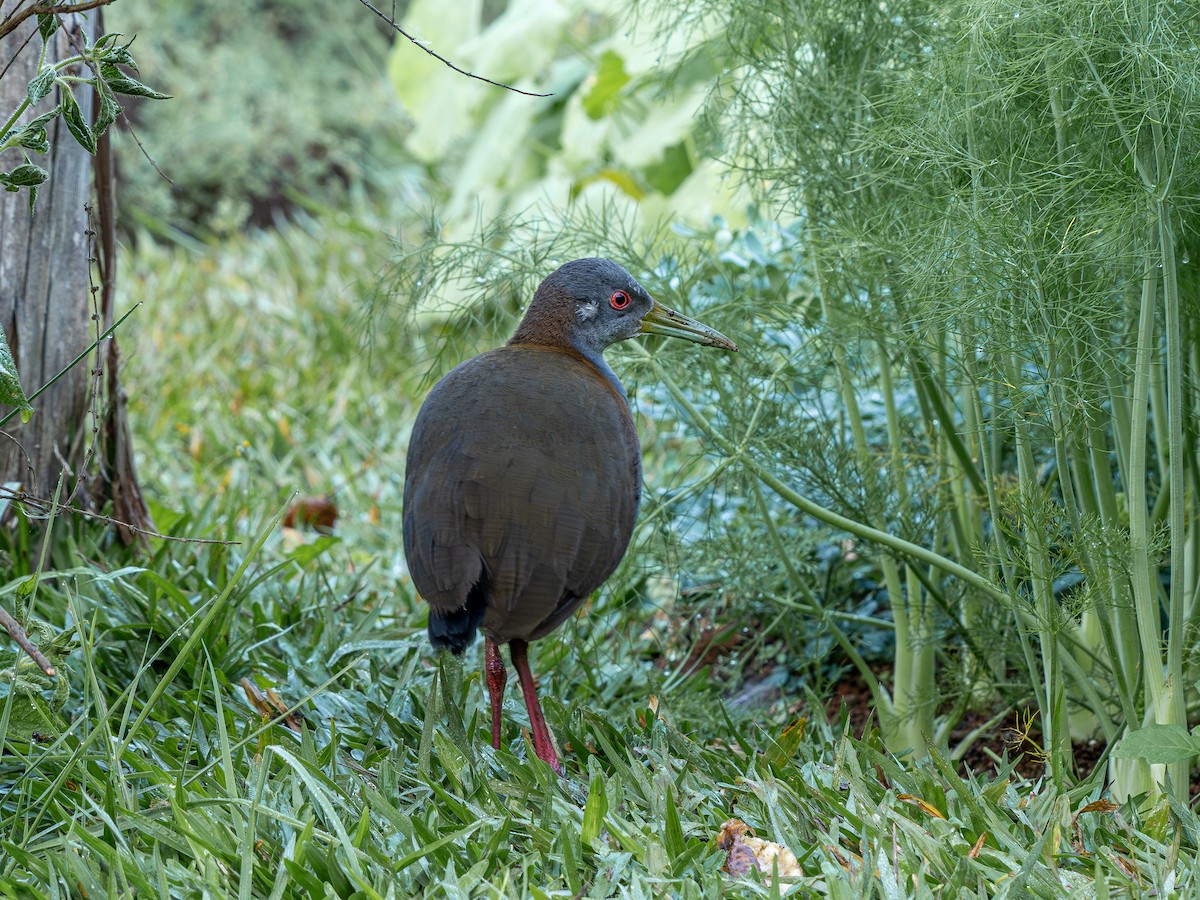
x=542, y=745
x=497, y=677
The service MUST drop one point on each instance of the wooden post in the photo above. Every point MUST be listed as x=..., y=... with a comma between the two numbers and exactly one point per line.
x=46, y=306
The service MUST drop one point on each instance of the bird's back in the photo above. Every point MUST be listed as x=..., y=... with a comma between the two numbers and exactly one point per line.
x=520, y=494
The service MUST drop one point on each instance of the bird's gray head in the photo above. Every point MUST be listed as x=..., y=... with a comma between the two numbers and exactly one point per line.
x=590, y=304
x=586, y=304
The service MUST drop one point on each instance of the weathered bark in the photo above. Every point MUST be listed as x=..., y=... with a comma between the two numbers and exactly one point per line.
x=49, y=311
x=45, y=305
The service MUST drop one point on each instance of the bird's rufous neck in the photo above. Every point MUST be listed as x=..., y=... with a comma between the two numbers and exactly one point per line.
x=594, y=359
x=547, y=323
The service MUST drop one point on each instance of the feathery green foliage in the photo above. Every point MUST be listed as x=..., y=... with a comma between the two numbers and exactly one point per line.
x=998, y=201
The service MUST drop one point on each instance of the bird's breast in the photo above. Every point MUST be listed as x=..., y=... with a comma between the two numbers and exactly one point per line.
x=524, y=465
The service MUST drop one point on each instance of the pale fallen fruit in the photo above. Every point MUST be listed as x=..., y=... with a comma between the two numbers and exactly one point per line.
x=743, y=851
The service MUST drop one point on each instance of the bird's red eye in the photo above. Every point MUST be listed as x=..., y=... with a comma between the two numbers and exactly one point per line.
x=619, y=300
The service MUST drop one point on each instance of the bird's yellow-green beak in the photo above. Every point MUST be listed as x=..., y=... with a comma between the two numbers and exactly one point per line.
x=664, y=320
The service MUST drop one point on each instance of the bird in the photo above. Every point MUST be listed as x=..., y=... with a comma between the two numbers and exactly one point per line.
x=524, y=474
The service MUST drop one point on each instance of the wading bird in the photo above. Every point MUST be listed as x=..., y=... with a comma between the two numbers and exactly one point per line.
x=524, y=474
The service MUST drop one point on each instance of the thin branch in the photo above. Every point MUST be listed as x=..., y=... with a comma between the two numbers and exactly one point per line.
x=13, y=627
x=24, y=497
x=392, y=22
x=44, y=9
x=4, y=420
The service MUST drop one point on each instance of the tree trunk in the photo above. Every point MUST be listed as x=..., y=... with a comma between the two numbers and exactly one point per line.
x=49, y=309
x=45, y=306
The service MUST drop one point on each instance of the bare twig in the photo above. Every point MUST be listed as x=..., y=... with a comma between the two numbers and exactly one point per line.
x=43, y=9
x=392, y=22
x=13, y=627
x=40, y=503
x=137, y=140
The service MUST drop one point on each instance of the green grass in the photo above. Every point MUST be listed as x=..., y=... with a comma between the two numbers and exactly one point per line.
x=155, y=776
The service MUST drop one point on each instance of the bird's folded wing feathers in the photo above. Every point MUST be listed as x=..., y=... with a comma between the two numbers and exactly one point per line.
x=542, y=494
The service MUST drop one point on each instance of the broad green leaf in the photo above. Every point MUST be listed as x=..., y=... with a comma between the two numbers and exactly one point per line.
x=108, y=109
x=45, y=117
x=11, y=392
x=670, y=171
x=673, y=831
x=32, y=134
x=47, y=25
x=76, y=124
x=30, y=713
x=595, y=810
x=605, y=93
x=34, y=138
x=126, y=84
x=1158, y=744
x=41, y=84
x=449, y=756
x=570, y=860
x=24, y=175
x=1158, y=821
x=785, y=747
x=118, y=54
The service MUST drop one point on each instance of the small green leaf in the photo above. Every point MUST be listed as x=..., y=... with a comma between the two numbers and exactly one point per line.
x=11, y=392
x=1159, y=821
x=124, y=84
x=364, y=828
x=595, y=811
x=31, y=713
x=673, y=832
x=34, y=139
x=41, y=84
x=108, y=110
x=26, y=588
x=1158, y=744
x=47, y=25
x=570, y=853
x=610, y=78
x=785, y=746
x=76, y=124
x=452, y=760
x=24, y=175
x=670, y=171
x=117, y=54
x=44, y=118
x=306, y=553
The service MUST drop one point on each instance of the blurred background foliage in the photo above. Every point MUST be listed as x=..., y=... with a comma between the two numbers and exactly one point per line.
x=263, y=122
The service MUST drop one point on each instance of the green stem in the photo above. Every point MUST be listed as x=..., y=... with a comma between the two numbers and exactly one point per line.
x=1176, y=472
x=24, y=105
x=858, y=529
x=815, y=605
x=12, y=120
x=1144, y=572
x=90, y=347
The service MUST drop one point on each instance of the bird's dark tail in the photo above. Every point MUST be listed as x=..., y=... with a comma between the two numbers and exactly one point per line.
x=454, y=630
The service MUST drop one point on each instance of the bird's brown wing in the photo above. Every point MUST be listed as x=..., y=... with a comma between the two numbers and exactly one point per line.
x=523, y=481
